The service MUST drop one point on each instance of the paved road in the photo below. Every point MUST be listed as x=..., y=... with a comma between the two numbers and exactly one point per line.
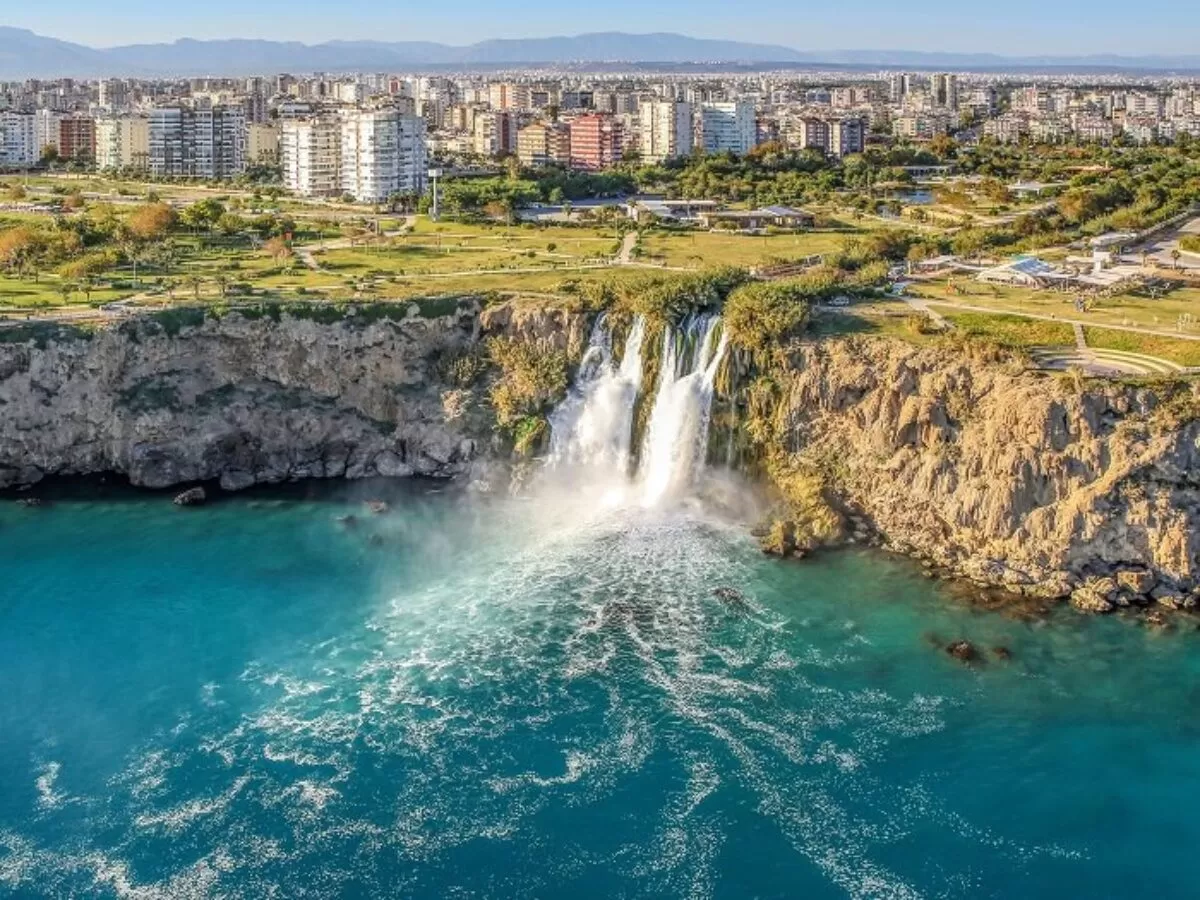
x=1159, y=247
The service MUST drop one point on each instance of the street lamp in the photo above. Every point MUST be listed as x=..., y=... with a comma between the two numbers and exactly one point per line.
x=434, y=175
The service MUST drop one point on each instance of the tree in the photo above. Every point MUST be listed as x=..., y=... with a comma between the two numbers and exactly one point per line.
x=203, y=214
x=230, y=224
x=1175, y=254
x=150, y=222
x=18, y=247
x=194, y=282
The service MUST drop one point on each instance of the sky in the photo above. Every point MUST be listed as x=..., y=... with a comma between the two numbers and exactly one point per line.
x=1011, y=28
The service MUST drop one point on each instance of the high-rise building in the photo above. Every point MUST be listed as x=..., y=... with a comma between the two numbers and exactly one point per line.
x=77, y=138
x=197, y=143
x=727, y=127
x=262, y=145
x=46, y=125
x=122, y=143
x=18, y=139
x=666, y=130
x=847, y=136
x=596, y=141
x=383, y=153
x=494, y=132
x=310, y=155
x=544, y=143
x=944, y=87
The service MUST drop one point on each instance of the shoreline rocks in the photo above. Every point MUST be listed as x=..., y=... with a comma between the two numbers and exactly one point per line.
x=196, y=496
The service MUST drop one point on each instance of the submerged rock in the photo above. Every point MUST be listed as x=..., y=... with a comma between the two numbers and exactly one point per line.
x=30, y=502
x=730, y=596
x=1002, y=653
x=963, y=650
x=379, y=507
x=191, y=497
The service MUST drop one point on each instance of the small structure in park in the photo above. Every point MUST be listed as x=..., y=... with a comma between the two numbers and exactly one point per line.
x=785, y=217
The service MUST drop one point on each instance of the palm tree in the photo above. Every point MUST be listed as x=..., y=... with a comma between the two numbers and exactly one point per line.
x=1175, y=254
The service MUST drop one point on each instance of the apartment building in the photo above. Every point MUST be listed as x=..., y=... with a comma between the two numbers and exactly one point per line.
x=544, y=143
x=596, y=141
x=77, y=138
x=262, y=145
x=310, y=155
x=665, y=130
x=18, y=139
x=944, y=90
x=46, y=125
x=835, y=137
x=727, y=127
x=383, y=153
x=495, y=132
x=197, y=143
x=122, y=143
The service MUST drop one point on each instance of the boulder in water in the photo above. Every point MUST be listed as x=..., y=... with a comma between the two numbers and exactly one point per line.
x=963, y=651
x=1087, y=599
x=348, y=521
x=191, y=497
x=730, y=596
x=30, y=502
x=1002, y=653
x=379, y=507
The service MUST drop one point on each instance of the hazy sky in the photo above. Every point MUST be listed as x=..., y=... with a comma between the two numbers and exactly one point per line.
x=1012, y=27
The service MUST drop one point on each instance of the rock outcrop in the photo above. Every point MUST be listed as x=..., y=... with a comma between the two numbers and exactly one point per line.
x=1002, y=474
x=246, y=398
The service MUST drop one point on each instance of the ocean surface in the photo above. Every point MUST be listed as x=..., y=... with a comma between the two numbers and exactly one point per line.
x=497, y=698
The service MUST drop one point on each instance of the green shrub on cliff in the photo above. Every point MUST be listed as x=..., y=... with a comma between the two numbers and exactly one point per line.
x=668, y=298
x=531, y=378
x=761, y=315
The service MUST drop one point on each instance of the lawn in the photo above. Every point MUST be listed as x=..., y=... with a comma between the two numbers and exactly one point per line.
x=698, y=249
x=1184, y=353
x=1167, y=313
x=1012, y=331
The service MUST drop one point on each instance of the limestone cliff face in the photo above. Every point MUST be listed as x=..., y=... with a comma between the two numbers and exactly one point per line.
x=1006, y=475
x=242, y=399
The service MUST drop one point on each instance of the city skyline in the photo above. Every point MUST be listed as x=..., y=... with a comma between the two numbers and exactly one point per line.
x=1021, y=28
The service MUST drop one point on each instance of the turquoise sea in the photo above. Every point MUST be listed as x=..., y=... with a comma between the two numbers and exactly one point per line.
x=475, y=698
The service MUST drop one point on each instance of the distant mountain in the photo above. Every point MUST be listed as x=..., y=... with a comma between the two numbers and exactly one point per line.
x=24, y=54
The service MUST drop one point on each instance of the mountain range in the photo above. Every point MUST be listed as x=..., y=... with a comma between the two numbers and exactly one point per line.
x=24, y=54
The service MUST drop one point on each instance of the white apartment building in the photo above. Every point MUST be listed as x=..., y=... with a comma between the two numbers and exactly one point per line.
x=122, y=143
x=367, y=153
x=310, y=154
x=727, y=127
x=383, y=153
x=197, y=143
x=46, y=124
x=18, y=139
x=666, y=130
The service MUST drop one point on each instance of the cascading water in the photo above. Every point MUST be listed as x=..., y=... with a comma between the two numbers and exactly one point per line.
x=592, y=430
x=593, y=427
x=677, y=436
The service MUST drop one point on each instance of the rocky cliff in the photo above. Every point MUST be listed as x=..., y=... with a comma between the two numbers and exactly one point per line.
x=1008, y=476
x=250, y=397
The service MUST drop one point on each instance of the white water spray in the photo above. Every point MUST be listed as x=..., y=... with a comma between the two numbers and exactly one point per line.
x=677, y=436
x=593, y=427
x=592, y=430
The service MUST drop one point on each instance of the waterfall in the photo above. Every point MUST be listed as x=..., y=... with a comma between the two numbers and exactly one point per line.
x=593, y=427
x=677, y=436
